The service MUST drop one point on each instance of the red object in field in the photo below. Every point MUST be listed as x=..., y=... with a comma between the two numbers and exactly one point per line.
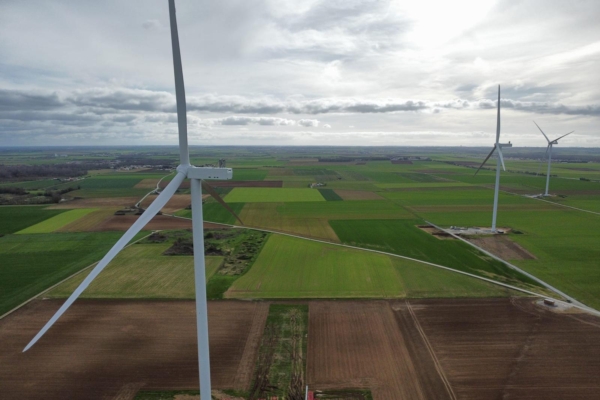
x=311, y=395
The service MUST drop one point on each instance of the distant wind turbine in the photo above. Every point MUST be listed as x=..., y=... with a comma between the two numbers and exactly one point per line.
x=497, y=147
x=197, y=176
x=549, y=153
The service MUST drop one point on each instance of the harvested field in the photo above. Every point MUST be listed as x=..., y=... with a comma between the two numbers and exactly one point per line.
x=159, y=222
x=502, y=247
x=149, y=183
x=369, y=345
x=509, y=348
x=97, y=202
x=112, y=349
x=88, y=222
x=436, y=233
x=177, y=202
x=358, y=195
x=264, y=215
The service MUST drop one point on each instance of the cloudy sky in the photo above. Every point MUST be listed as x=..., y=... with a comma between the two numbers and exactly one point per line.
x=295, y=72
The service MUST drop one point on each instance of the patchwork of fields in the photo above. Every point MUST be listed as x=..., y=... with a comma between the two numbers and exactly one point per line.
x=449, y=344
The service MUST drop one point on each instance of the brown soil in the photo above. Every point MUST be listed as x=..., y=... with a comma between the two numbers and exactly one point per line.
x=97, y=202
x=177, y=202
x=436, y=232
x=358, y=195
x=502, y=247
x=112, y=349
x=368, y=345
x=159, y=222
x=148, y=183
x=511, y=349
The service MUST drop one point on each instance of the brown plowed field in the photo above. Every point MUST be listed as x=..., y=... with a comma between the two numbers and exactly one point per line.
x=159, y=222
x=148, y=183
x=356, y=344
x=511, y=349
x=186, y=184
x=111, y=349
x=97, y=202
x=177, y=202
x=358, y=195
x=502, y=247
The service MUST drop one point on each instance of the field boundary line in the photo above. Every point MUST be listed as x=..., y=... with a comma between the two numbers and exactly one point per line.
x=63, y=281
x=505, y=285
x=436, y=361
x=512, y=266
x=153, y=190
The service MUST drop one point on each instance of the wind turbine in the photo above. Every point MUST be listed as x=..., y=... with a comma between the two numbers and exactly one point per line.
x=500, y=161
x=197, y=176
x=549, y=152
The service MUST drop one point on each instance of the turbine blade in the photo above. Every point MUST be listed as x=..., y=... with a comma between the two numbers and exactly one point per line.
x=542, y=131
x=484, y=161
x=501, y=157
x=498, y=118
x=211, y=190
x=184, y=155
x=150, y=212
x=563, y=136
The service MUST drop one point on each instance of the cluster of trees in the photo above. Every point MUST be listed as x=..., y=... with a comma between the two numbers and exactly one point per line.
x=53, y=196
x=30, y=172
x=13, y=190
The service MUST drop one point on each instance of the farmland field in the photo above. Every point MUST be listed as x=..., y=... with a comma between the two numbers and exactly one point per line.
x=141, y=271
x=31, y=263
x=404, y=238
x=118, y=347
x=15, y=218
x=272, y=195
x=294, y=268
x=57, y=222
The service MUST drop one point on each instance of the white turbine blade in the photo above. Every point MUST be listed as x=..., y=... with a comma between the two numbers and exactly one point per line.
x=556, y=140
x=498, y=118
x=542, y=131
x=548, y=148
x=501, y=158
x=150, y=212
x=184, y=156
x=484, y=161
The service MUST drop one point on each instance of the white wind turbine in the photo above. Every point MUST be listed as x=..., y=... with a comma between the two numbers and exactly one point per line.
x=499, y=162
x=197, y=177
x=549, y=152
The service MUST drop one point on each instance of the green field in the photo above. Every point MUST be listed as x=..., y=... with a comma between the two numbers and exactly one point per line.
x=30, y=264
x=295, y=268
x=141, y=271
x=404, y=238
x=330, y=195
x=215, y=212
x=57, y=222
x=272, y=195
x=16, y=218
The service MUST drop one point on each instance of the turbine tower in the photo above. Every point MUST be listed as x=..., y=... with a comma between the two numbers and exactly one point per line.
x=499, y=162
x=549, y=152
x=197, y=176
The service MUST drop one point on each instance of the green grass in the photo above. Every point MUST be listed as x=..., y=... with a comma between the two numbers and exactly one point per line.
x=57, y=222
x=16, y=218
x=466, y=196
x=215, y=212
x=294, y=268
x=404, y=238
x=359, y=209
x=30, y=264
x=412, y=185
x=272, y=195
x=249, y=174
x=330, y=195
x=564, y=241
x=141, y=271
